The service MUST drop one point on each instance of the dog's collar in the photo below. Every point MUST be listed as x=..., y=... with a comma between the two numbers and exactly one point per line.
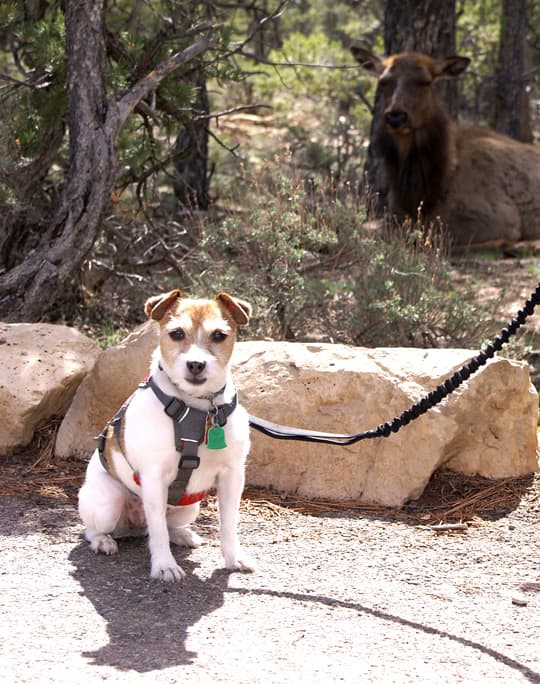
x=185, y=415
x=211, y=396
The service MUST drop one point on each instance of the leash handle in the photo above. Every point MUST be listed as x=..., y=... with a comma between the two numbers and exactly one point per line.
x=299, y=434
x=420, y=407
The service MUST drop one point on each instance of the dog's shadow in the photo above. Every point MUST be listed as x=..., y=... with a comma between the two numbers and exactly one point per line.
x=147, y=620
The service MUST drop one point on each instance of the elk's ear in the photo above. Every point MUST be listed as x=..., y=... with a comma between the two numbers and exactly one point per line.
x=367, y=59
x=451, y=67
x=239, y=309
x=156, y=307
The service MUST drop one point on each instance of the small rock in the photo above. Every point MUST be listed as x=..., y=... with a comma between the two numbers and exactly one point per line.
x=518, y=599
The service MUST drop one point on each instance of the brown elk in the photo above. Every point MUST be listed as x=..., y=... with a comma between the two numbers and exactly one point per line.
x=485, y=187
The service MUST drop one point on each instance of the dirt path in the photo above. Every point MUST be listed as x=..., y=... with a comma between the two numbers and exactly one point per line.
x=359, y=595
x=340, y=596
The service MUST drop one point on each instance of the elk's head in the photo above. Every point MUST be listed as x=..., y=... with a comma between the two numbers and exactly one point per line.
x=406, y=81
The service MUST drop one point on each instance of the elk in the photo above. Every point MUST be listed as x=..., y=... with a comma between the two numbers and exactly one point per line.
x=484, y=187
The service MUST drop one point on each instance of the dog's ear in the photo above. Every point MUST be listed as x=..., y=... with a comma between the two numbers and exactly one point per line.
x=239, y=309
x=156, y=307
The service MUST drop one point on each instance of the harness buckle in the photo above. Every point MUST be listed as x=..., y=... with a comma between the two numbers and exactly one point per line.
x=175, y=408
x=190, y=461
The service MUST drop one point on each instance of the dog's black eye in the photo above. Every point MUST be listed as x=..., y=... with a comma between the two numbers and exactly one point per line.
x=177, y=335
x=218, y=336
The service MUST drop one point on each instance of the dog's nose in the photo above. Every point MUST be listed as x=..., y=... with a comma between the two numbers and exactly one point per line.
x=195, y=367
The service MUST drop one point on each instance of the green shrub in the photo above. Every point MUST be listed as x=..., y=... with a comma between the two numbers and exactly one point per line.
x=264, y=254
x=313, y=270
x=403, y=295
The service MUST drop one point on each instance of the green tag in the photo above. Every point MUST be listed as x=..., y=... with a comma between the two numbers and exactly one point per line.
x=215, y=438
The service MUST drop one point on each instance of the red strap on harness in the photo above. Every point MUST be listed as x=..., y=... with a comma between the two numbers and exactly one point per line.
x=186, y=500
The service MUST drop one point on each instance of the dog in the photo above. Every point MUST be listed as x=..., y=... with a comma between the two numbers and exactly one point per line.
x=181, y=433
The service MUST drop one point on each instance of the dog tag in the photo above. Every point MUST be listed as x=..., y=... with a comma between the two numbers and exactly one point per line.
x=215, y=437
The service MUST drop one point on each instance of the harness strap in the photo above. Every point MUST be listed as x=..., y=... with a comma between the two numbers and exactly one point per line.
x=179, y=411
x=116, y=422
x=190, y=428
x=190, y=425
x=187, y=464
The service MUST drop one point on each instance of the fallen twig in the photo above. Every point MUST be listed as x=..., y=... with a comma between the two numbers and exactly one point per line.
x=446, y=527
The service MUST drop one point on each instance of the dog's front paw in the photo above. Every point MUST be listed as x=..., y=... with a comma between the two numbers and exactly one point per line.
x=239, y=561
x=167, y=571
x=103, y=543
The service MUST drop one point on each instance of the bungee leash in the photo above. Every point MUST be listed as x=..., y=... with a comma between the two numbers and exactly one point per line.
x=419, y=408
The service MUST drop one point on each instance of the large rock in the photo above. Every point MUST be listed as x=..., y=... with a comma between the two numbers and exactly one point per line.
x=115, y=376
x=487, y=427
x=41, y=366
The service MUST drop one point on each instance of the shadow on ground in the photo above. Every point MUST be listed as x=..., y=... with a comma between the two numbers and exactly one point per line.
x=147, y=621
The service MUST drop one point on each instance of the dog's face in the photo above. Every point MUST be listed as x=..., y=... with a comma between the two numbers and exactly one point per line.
x=197, y=337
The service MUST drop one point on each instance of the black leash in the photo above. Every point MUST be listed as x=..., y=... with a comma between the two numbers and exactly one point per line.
x=428, y=401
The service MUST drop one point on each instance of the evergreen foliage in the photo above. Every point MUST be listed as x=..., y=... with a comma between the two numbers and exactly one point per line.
x=286, y=227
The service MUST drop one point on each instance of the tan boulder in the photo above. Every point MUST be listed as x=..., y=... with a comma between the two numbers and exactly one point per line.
x=41, y=366
x=115, y=376
x=487, y=427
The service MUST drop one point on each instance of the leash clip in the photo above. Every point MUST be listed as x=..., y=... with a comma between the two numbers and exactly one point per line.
x=213, y=415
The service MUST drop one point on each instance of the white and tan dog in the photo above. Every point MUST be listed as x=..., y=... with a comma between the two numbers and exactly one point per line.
x=127, y=485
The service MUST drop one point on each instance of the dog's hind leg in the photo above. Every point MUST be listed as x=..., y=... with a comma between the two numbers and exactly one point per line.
x=101, y=507
x=178, y=520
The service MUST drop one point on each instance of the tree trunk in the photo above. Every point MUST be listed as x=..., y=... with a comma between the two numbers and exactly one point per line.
x=191, y=180
x=512, y=115
x=420, y=26
x=21, y=225
x=28, y=290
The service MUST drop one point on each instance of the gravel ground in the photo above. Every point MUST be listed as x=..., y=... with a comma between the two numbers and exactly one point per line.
x=339, y=596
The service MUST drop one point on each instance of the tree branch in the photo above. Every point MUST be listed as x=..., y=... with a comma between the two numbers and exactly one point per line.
x=129, y=101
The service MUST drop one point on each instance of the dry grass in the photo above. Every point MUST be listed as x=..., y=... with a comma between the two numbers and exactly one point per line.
x=449, y=497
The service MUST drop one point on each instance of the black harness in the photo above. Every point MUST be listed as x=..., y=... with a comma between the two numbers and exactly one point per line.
x=191, y=427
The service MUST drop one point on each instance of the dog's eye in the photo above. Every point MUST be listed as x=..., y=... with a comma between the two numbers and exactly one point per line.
x=218, y=336
x=177, y=335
